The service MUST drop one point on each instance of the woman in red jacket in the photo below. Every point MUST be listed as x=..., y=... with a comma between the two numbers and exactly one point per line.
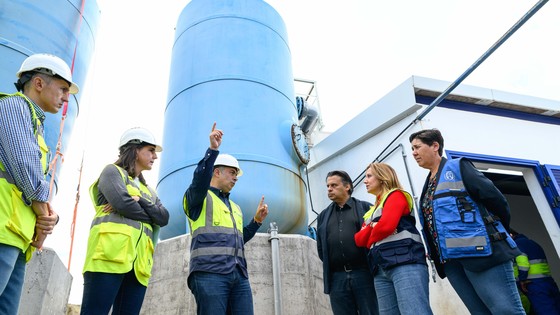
x=396, y=254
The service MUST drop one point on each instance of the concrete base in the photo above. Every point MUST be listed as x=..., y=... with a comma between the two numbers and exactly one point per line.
x=300, y=268
x=301, y=279
x=47, y=282
x=47, y=285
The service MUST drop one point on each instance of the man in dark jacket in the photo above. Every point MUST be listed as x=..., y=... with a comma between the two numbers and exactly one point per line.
x=346, y=276
x=218, y=276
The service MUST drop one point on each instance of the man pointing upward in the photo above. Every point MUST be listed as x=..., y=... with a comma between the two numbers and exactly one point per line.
x=218, y=275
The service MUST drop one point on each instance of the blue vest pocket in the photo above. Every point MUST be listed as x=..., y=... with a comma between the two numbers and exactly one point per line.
x=396, y=253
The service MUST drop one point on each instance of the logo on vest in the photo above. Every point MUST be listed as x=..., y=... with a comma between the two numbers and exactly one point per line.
x=449, y=175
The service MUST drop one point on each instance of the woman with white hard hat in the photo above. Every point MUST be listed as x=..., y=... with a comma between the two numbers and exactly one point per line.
x=124, y=230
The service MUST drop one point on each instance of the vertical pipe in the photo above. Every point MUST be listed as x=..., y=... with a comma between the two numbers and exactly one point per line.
x=416, y=211
x=275, y=268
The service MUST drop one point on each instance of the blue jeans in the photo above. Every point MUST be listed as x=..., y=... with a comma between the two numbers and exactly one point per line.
x=217, y=294
x=102, y=290
x=353, y=292
x=403, y=290
x=12, y=274
x=492, y=291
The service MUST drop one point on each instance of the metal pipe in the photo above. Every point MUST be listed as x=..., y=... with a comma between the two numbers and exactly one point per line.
x=404, y=155
x=480, y=60
x=361, y=177
x=417, y=212
x=276, y=268
x=453, y=85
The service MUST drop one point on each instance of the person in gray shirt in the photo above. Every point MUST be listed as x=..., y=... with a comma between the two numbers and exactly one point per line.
x=124, y=230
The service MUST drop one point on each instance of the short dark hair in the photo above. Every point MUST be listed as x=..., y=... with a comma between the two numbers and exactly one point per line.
x=429, y=136
x=26, y=77
x=344, y=177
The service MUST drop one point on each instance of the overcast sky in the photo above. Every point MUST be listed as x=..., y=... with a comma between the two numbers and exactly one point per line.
x=356, y=51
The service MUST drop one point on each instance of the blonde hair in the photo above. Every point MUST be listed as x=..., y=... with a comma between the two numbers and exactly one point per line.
x=386, y=175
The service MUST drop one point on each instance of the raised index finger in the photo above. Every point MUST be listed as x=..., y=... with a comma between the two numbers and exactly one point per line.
x=262, y=202
x=214, y=126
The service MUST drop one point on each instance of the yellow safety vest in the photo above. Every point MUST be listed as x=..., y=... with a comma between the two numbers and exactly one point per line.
x=536, y=268
x=17, y=219
x=220, y=215
x=369, y=215
x=117, y=244
x=374, y=214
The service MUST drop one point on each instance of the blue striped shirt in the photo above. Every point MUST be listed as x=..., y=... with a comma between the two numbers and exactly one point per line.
x=19, y=150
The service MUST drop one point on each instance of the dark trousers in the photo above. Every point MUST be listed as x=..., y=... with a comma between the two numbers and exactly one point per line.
x=218, y=294
x=102, y=291
x=544, y=296
x=353, y=292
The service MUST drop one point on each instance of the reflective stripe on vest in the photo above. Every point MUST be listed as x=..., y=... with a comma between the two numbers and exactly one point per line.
x=465, y=242
x=205, y=251
x=404, y=234
x=458, y=185
x=119, y=219
x=539, y=269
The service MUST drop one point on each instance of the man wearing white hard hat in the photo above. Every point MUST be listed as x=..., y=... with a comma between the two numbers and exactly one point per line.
x=26, y=218
x=218, y=275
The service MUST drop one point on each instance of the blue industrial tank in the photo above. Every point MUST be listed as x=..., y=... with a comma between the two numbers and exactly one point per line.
x=65, y=28
x=231, y=64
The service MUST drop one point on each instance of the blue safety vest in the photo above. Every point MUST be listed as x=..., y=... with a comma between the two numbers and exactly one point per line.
x=459, y=221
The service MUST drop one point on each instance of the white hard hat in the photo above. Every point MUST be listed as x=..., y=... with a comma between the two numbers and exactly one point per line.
x=138, y=135
x=228, y=160
x=51, y=65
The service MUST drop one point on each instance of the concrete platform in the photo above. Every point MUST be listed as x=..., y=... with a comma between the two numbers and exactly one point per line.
x=47, y=282
x=301, y=275
x=47, y=285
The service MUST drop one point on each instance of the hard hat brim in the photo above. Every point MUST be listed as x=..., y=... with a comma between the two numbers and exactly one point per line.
x=74, y=88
